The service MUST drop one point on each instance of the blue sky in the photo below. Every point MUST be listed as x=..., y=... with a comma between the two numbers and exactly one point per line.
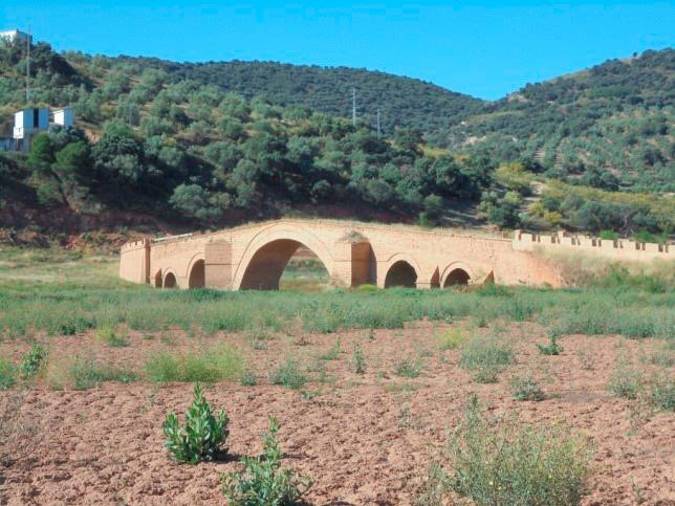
x=483, y=48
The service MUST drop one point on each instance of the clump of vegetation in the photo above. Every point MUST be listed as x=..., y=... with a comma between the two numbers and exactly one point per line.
x=451, y=339
x=552, y=348
x=626, y=381
x=84, y=374
x=526, y=388
x=7, y=374
x=507, y=462
x=359, y=360
x=32, y=361
x=409, y=367
x=220, y=363
x=485, y=357
x=263, y=482
x=289, y=375
x=203, y=434
x=662, y=392
x=110, y=337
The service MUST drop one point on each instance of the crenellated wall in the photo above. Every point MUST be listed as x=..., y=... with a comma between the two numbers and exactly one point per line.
x=354, y=253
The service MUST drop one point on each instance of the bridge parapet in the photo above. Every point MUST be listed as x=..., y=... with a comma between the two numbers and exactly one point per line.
x=620, y=249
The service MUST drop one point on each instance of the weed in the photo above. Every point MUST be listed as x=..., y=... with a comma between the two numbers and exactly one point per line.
x=289, y=375
x=358, y=360
x=334, y=351
x=451, y=339
x=662, y=392
x=485, y=357
x=220, y=363
x=203, y=434
x=110, y=337
x=586, y=359
x=263, y=481
x=7, y=374
x=552, y=348
x=526, y=388
x=625, y=381
x=409, y=368
x=32, y=361
x=512, y=463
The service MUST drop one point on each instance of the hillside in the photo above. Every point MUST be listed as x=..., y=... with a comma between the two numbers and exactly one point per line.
x=166, y=145
x=617, y=117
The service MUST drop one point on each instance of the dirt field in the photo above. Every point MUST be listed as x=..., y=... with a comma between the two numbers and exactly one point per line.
x=364, y=438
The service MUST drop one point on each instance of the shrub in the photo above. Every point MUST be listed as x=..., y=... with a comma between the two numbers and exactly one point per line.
x=359, y=360
x=551, y=348
x=7, y=374
x=526, y=388
x=32, y=361
x=217, y=364
x=203, y=434
x=451, y=339
x=409, y=368
x=288, y=375
x=625, y=381
x=512, y=463
x=263, y=482
x=486, y=357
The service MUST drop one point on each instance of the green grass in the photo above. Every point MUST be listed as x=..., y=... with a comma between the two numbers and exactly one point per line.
x=65, y=295
x=289, y=375
x=409, y=368
x=7, y=374
x=220, y=363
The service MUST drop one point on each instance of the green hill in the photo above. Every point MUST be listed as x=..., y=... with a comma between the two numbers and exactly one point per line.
x=219, y=143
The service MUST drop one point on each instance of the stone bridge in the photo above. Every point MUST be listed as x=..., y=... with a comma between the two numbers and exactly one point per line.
x=353, y=253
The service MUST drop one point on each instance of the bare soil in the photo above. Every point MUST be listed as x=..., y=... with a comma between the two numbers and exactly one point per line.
x=364, y=439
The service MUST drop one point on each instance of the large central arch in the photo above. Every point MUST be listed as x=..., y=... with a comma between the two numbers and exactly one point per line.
x=268, y=253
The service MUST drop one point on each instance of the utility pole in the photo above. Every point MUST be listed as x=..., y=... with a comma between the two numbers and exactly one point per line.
x=354, y=106
x=28, y=68
x=379, y=128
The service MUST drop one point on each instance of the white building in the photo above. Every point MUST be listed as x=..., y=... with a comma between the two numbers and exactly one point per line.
x=12, y=36
x=30, y=121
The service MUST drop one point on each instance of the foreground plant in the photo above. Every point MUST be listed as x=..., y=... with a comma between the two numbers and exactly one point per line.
x=526, y=388
x=506, y=462
x=203, y=434
x=263, y=482
x=485, y=357
x=552, y=348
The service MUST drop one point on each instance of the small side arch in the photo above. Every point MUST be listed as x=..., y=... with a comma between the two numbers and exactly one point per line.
x=158, y=279
x=170, y=280
x=456, y=274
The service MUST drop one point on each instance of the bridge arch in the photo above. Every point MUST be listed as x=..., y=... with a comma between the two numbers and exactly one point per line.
x=401, y=270
x=196, y=272
x=456, y=274
x=170, y=280
x=268, y=253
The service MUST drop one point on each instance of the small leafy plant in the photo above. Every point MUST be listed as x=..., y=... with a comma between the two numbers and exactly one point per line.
x=32, y=361
x=263, y=482
x=485, y=357
x=7, y=374
x=203, y=434
x=626, y=381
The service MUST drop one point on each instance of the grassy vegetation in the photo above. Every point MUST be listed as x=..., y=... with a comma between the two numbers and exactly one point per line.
x=62, y=296
x=485, y=357
x=219, y=363
x=507, y=462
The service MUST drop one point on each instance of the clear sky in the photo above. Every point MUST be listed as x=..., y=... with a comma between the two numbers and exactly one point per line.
x=480, y=47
